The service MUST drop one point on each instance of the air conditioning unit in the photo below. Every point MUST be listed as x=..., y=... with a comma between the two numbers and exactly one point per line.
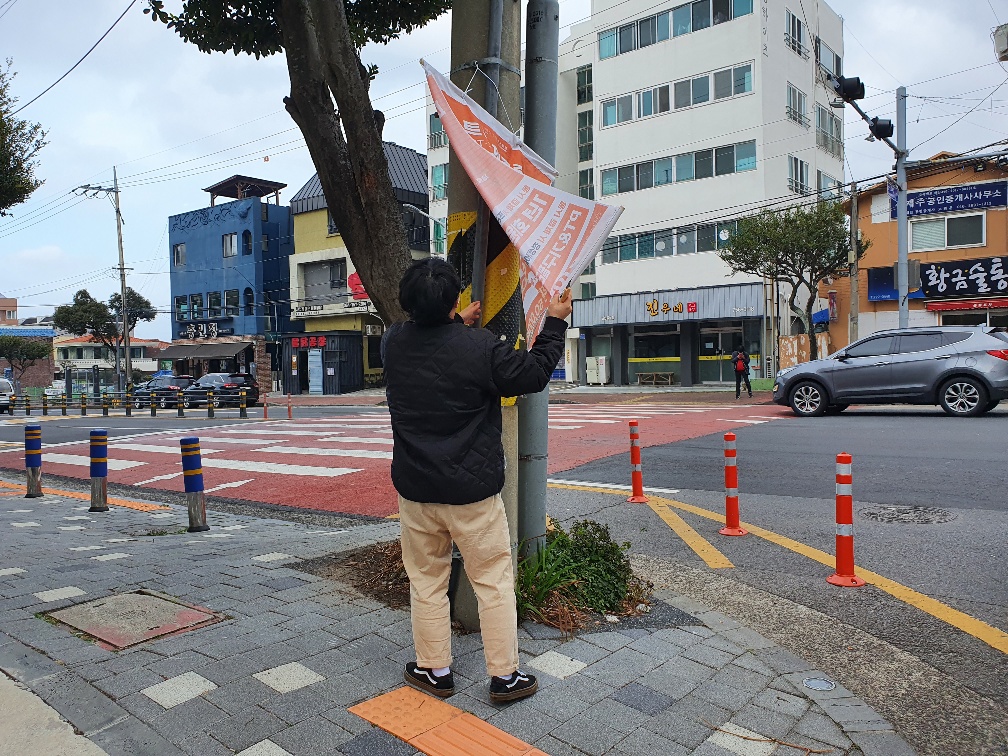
x=372, y=330
x=1001, y=42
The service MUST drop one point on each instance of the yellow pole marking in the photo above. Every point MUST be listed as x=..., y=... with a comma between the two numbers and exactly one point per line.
x=714, y=558
x=992, y=636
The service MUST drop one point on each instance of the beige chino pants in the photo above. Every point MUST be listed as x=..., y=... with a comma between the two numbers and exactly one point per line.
x=480, y=530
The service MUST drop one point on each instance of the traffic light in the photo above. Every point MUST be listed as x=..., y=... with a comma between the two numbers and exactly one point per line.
x=881, y=128
x=849, y=88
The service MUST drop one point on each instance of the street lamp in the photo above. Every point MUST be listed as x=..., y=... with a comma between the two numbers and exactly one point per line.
x=850, y=89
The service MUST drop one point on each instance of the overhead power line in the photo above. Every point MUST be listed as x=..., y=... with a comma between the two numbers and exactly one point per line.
x=36, y=97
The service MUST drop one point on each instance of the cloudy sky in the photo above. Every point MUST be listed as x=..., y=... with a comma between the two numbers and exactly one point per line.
x=174, y=120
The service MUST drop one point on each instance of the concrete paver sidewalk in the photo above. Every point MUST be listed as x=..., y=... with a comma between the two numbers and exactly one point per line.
x=296, y=650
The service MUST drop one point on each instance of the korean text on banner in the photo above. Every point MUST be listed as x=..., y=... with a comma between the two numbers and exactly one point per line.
x=557, y=234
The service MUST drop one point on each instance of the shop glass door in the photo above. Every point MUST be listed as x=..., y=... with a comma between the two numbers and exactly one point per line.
x=716, y=346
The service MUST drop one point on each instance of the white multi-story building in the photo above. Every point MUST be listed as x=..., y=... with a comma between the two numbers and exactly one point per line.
x=689, y=116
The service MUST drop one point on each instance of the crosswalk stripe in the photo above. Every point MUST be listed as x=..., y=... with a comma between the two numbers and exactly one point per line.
x=278, y=468
x=154, y=449
x=81, y=460
x=310, y=451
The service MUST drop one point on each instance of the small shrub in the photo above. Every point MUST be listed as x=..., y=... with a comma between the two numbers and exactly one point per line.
x=548, y=573
x=605, y=570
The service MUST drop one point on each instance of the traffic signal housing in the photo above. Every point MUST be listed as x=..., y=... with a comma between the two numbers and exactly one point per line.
x=849, y=88
x=881, y=128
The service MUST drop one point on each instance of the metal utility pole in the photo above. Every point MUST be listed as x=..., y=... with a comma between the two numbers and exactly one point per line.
x=122, y=285
x=485, y=57
x=542, y=52
x=903, y=279
x=852, y=258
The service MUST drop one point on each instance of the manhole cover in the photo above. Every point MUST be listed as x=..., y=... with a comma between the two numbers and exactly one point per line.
x=908, y=515
x=127, y=619
x=818, y=683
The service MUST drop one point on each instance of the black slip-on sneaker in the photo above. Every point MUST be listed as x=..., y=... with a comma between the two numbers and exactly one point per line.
x=424, y=679
x=519, y=685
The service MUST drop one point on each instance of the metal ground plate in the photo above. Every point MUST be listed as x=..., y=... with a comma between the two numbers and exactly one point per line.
x=127, y=619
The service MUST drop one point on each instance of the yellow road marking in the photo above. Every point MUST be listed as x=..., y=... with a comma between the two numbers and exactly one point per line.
x=128, y=504
x=703, y=548
x=992, y=636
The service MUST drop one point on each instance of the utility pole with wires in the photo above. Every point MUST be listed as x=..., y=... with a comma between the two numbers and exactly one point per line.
x=113, y=193
x=852, y=259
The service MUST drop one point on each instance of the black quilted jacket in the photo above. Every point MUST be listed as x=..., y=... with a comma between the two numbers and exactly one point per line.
x=444, y=386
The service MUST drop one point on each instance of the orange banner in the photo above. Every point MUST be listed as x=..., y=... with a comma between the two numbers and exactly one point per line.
x=557, y=234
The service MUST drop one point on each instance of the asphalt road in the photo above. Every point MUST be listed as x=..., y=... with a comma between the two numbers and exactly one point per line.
x=954, y=551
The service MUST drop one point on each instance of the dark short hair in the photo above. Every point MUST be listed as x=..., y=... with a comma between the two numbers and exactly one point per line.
x=429, y=290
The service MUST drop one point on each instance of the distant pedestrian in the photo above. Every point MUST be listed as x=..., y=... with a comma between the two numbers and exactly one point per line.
x=444, y=387
x=740, y=361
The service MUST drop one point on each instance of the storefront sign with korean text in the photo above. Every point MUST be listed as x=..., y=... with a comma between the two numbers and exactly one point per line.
x=308, y=342
x=965, y=278
x=654, y=307
x=953, y=199
x=208, y=330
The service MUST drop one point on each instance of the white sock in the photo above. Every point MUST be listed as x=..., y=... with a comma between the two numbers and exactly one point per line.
x=441, y=671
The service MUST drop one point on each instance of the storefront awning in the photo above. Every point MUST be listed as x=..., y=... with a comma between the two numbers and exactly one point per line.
x=969, y=304
x=210, y=351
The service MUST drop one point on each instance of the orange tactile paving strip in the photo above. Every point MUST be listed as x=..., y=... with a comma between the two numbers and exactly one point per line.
x=137, y=505
x=436, y=728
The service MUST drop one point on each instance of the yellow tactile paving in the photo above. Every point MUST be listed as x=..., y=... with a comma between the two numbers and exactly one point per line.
x=405, y=712
x=436, y=728
x=137, y=505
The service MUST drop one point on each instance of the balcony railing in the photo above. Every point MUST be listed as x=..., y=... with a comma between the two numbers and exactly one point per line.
x=417, y=237
x=796, y=44
x=798, y=187
x=439, y=192
x=436, y=140
x=798, y=116
x=829, y=143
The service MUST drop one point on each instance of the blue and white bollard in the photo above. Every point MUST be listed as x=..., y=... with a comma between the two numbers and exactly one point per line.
x=99, y=470
x=33, y=460
x=192, y=475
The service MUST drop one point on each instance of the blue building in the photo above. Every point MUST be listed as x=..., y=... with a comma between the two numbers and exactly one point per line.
x=230, y=280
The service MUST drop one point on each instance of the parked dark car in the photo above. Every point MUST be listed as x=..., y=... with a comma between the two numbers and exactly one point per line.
x=965, y=370
x=225, y=387
x=165, y=389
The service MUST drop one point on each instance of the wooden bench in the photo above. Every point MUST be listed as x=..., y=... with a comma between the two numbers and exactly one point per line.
x=655, y=379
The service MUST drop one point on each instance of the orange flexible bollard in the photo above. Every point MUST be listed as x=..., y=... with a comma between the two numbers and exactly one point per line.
x=844, y=575
x=290, y=409
x=731, y=527
x=636, y=475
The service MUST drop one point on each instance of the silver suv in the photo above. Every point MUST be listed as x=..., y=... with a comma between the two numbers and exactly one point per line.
x=6, y=396
x=965, y=370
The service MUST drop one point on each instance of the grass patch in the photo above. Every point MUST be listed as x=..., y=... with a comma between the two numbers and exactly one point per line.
x=155, y=533
x=579, y=574
x=761, y=384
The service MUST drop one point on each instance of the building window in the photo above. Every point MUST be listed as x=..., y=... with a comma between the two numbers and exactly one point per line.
x=586, y=187
x=797, y=105
x=585, y=137
x=338, y=273
x=213, y=304
x=265, y=243
x=608, y=181
x=798, y=181
x=625, y=39
x=607, y=44
x=829, y=132
x=331, y=228
x=745, y=156
x=440, y=237
x=829, y=61
x=181, y=308
x=230, y=303
x=794, y=35
x=827, y=186
x=264, y=211
x=588, y=290
x=249, y=302
x=653, y=101
x=436, y=137
x=703, y=164
x=196, y=306
x=948, y=232
x=246, y=242
x=584, y=84
x=80, y=353
x=439, y=182
x=178, y=255
x=229, y=244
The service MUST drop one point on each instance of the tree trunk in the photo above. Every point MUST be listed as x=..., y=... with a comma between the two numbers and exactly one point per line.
x=813, y=344
x=345, y=145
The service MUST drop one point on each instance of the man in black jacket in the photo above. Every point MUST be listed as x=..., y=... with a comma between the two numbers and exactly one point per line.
x=740, y=363
x=444, y=387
